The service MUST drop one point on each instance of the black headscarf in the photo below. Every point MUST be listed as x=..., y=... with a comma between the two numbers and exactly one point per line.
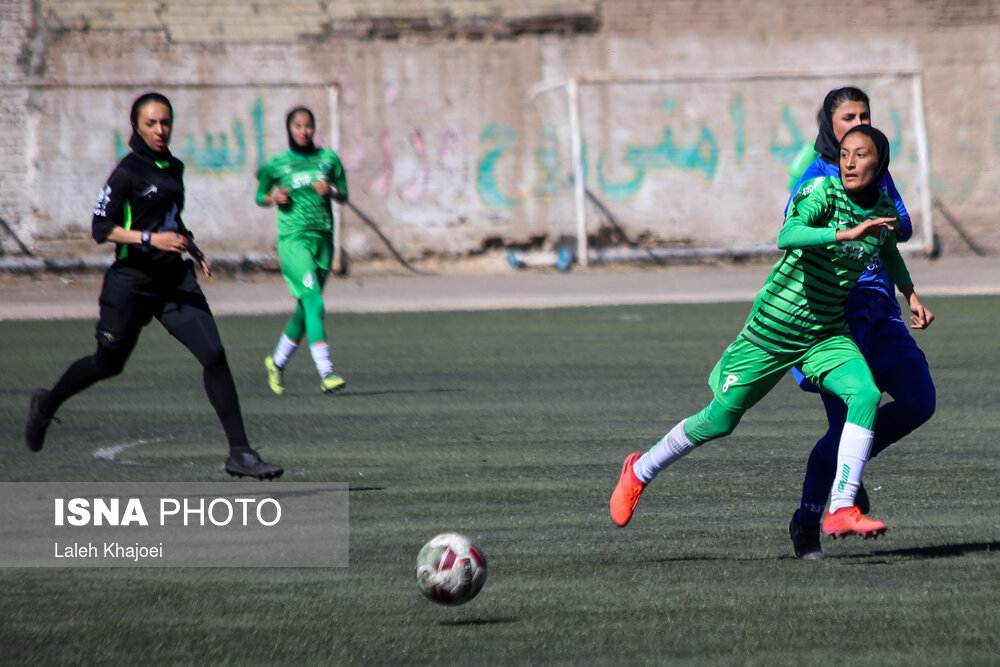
x=136, y=142
x=870, y=194
x=826, y=141
x=296, y=148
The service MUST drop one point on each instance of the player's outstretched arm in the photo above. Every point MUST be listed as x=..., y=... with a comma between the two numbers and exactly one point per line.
x=921, y=317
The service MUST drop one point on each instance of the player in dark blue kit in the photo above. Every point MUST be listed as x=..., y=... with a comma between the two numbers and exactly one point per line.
x=139, y=211
x=875, y=320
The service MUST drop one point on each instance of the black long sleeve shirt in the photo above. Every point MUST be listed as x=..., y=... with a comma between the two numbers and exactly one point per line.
x=142, y=195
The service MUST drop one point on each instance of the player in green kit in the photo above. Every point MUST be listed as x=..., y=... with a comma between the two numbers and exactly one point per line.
x=302, y=182
x=835, y=227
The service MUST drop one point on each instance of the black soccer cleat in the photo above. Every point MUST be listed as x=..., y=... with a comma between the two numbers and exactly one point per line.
x=862, y=501
x=248, y=464
x=805, y=539
x=38, y=421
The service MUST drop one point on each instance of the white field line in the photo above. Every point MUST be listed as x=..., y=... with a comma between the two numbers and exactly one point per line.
x=111, y=453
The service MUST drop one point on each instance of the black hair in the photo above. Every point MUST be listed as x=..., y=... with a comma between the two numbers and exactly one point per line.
x=137, y=143
x=870, y=194
x=145, y=99
x=838, y=96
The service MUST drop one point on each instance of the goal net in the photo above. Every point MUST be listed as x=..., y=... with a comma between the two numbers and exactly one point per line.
x=699, y=165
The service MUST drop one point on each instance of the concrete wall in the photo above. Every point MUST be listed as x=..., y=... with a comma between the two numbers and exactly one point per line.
x=436, y=109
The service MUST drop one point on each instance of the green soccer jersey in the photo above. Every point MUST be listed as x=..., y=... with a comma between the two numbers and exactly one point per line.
x=803, y=299
x=307, y=210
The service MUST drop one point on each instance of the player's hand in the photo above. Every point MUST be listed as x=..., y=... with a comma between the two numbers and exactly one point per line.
x=921, y=317
x=865, y=229
x=199, y=257
x=205, y=268
x=169, y=241
x=281, y=196
x=323, y=189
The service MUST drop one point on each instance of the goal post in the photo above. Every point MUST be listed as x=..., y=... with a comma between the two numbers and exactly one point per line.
x=700, y=163
x=339, y=265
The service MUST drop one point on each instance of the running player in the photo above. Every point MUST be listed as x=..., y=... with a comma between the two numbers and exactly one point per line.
x=834, y=229
x=875, y=321
x=139, y=210
x=302, y=181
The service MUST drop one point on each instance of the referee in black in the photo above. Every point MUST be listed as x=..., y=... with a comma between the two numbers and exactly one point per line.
x=139, y=211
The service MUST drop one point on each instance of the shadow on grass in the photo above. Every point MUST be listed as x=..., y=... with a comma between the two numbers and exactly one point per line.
x=875, y=557
x=480, y=621
x=344, y=394
x=394, y=392
x=703, y=558
x=939, y=551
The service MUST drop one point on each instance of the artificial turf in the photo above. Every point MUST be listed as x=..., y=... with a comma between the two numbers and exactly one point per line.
x=511, y=426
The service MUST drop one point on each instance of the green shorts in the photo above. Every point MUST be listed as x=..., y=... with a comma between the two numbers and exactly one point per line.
x=305, y=262
x=746, y=372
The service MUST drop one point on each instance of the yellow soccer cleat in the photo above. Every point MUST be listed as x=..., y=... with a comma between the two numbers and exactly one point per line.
x=275, y=376
x=332, y=383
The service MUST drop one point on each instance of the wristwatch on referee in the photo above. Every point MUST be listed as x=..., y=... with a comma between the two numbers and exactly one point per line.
x=147, y=237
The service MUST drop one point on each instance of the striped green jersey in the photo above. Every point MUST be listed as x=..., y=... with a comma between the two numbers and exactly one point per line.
x=803, y=299
x=307, y=210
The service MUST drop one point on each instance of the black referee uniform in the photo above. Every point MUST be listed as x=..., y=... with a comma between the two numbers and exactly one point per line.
x=145, y=193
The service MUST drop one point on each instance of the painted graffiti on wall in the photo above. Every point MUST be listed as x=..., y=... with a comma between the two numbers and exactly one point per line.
x=242, y=147
x=498, y=142
x=685, y=162
x=659, y=159
x=217, y=152
x=700, y=154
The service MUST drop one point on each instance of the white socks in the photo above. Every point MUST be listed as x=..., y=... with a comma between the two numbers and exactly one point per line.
x=672, y=447
x=284, y=350
x=321, y=357
x=320, y=353
x=852, y=455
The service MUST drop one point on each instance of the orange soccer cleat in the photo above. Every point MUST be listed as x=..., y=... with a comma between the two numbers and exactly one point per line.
x=627, y=492
x=850, y=521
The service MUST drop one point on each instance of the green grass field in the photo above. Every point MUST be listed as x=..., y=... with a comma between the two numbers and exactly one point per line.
x=511, y=426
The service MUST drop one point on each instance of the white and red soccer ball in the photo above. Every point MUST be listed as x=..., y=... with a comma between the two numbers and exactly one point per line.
x=451, y=569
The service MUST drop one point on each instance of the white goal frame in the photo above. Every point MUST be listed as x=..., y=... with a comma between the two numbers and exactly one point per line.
x=573, y=84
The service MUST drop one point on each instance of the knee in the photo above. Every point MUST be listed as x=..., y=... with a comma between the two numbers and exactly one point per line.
x=862, y=405
x=110, y=362
x=716, y=421
x=725, y=426
x=866, y=397
x=920, y=405
x=213, y=357
x=312, y=304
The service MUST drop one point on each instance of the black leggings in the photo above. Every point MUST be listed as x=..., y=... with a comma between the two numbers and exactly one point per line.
x=187, y=318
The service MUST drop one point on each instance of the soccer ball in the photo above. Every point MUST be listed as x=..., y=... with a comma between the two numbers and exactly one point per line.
x=451, y=569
